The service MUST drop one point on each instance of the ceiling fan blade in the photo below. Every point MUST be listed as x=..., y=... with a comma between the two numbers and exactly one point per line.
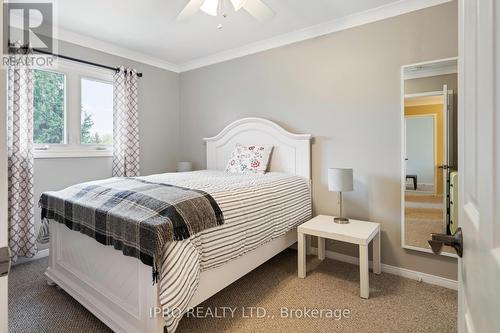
x=258, y=9
x=191, y=8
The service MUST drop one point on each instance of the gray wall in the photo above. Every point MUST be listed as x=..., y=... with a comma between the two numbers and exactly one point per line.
x=435, y=83
x=158, y=121
x=344, y=88
x=431, y=83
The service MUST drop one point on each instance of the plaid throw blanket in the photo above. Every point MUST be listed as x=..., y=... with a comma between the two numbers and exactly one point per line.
x=133, y=215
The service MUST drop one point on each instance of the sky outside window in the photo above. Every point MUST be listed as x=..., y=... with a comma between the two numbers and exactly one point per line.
x=97, y=112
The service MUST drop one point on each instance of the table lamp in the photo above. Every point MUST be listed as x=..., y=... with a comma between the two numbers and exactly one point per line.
x=340, y=180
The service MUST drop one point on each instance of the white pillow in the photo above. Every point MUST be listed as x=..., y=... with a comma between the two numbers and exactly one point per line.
x=249, y=159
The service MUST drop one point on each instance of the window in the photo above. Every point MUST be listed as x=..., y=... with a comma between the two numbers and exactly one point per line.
x=48, y=107
x=97, y=112
x=73, y=111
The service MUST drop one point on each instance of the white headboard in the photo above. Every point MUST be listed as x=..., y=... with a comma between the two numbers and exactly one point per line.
x=291, y=152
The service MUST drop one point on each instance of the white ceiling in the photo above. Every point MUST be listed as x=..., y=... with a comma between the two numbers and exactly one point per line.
x=148, y=27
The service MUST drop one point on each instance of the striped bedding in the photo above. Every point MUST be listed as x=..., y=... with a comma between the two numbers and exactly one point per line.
x=257, y=209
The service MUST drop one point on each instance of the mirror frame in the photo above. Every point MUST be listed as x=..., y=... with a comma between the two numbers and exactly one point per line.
x=402, y=157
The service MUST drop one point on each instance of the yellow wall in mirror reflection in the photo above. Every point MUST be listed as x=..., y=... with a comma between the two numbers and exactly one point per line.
x=437, y=111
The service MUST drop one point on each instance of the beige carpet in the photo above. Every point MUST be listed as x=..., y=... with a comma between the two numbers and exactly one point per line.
x=36, y=307
x=396, y=304
x=423, y=215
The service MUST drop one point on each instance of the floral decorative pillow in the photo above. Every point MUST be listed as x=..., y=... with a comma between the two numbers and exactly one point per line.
x=233, y=165
x=249, y=159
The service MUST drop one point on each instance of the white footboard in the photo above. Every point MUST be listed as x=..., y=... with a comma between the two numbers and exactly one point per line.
x=116, y=289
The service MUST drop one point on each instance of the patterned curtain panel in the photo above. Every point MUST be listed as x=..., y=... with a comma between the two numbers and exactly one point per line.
x=22, y=239
x=125, y=124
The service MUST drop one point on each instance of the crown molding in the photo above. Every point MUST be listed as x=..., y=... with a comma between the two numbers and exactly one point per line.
x=369, y=16
x=372, y=15
x=99, y=45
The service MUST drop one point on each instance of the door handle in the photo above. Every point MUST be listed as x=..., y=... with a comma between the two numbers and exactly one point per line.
x=455, y=241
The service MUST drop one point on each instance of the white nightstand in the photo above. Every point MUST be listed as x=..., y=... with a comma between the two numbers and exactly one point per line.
x=356, y=232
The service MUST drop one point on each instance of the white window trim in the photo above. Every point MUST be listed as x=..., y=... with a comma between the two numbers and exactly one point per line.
x=71, y=152
x=72, y=148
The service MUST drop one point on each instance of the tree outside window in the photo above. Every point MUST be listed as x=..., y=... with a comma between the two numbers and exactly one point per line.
x=49, y=115
x=48, y=107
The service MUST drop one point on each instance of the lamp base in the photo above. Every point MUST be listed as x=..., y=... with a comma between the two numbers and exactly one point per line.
x=341, y=220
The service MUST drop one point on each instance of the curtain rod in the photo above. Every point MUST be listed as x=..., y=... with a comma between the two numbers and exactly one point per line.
x=116, y=69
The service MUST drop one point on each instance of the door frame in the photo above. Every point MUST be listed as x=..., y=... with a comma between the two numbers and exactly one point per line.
x=434, y=144
x=3, y=186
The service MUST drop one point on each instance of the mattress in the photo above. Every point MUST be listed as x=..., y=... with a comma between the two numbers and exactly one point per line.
x=257, y=209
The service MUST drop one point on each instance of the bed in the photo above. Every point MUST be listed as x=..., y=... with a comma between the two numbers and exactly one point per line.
x=118, y=289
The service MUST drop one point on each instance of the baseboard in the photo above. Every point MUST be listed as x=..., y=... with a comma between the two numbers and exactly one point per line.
x=41, y=254
x=403, y=272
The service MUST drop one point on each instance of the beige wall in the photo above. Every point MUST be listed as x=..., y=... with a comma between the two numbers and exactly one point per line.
x=344, y=89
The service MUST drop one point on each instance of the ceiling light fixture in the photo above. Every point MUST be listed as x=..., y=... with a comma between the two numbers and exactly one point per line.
x=211, y=7
x=238, y=4
x=256, y=8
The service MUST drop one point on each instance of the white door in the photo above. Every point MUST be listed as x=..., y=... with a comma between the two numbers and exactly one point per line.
x=479, y=165
x=3, y=188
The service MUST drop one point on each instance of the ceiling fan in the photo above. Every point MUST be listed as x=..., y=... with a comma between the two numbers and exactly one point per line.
x=256, y=8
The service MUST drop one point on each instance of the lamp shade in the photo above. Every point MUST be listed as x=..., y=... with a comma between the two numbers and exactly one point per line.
x=340, y=180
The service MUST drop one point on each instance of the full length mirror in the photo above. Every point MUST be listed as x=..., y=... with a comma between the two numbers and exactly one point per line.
x=429, y=152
